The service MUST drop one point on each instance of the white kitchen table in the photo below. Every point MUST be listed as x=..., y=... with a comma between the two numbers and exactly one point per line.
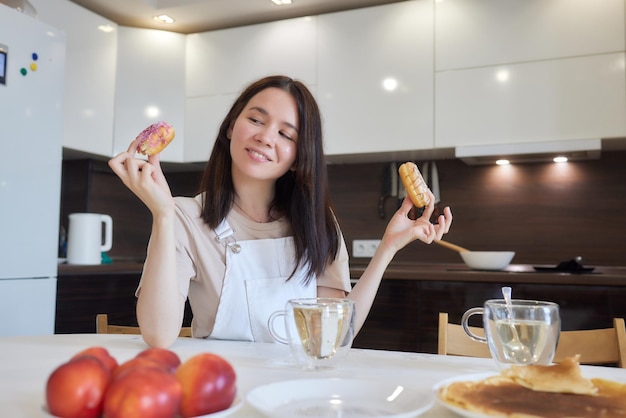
x=27, y=361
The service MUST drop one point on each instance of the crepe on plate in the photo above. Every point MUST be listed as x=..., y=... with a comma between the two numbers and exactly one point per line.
x=554, y=391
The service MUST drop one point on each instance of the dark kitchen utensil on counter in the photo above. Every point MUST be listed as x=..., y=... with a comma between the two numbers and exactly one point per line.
x=570, y=266
x=389, y=188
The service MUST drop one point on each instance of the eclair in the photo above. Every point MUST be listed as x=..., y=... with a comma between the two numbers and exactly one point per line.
x=414, y=184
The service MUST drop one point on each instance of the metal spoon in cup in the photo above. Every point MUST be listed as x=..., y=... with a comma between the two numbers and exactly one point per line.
x=514, y=349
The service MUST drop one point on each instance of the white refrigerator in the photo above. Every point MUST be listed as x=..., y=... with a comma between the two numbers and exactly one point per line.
x=32, y=57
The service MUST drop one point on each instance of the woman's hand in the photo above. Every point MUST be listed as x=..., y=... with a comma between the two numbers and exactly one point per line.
x=144, y=178
x=402, y=230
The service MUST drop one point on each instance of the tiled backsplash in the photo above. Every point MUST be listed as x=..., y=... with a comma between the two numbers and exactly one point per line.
x=547, y=213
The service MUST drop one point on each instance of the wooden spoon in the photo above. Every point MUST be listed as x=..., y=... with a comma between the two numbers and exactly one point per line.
x=452, y=246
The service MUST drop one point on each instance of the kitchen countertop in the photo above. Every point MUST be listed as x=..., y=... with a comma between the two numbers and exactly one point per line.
x=116, y=267
x=514, y=273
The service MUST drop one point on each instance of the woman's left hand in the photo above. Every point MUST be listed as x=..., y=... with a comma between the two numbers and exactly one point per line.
x=402, y=230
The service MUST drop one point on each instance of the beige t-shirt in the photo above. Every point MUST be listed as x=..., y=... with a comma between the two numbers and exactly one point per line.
x=201, y=259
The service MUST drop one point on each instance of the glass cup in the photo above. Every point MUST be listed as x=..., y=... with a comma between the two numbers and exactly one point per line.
x=319, y=330
x=526, y=332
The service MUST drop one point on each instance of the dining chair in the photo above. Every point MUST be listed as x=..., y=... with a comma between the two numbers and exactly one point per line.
x=595, y=346
x=454, y=341
x=103, y=327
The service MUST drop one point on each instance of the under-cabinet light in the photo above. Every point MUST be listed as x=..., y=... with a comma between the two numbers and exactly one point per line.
x=532, y=152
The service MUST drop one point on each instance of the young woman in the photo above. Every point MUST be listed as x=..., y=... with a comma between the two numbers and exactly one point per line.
x=261, y=231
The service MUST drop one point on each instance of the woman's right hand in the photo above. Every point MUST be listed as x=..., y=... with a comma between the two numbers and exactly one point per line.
x=144, y=178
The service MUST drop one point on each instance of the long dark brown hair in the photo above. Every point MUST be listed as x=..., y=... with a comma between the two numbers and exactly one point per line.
x=301, y=194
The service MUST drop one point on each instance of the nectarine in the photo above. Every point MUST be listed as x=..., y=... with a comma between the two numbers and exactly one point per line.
x=76, y=389
x=137, y=362
x=164, y=356
x=143, y=392
x=208, y=383
x=102, y=354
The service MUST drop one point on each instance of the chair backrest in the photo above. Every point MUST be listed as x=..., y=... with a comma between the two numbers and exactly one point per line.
x=103, y=327
x=596, y=346
x=454, y=341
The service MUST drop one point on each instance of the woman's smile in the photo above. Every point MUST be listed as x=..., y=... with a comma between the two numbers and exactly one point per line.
x=257, y=155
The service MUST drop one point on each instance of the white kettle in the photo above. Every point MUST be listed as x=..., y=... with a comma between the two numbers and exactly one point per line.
x=84, y=241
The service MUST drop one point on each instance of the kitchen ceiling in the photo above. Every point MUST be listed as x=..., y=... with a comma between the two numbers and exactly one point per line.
x=193, y=16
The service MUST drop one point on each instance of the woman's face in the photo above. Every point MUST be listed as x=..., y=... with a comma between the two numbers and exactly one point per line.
x=263, y=137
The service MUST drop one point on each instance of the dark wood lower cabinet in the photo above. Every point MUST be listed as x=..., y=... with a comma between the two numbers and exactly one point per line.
x=403, y=318
x=392, y=323
x=81, y=297
x=405, y=313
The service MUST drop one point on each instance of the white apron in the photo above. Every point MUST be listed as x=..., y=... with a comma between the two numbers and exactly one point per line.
x=255, y=285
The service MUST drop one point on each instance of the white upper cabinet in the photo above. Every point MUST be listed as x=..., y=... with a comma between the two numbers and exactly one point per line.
x=572, y=98
x=150, y=86
x=375, y=78
x=510, y=71
x=220, y=64
x=474, y=33
x=203, y=116
x=90, y=68
x=225, y=61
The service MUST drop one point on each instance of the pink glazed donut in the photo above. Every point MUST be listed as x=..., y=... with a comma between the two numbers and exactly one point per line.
x=155, y=138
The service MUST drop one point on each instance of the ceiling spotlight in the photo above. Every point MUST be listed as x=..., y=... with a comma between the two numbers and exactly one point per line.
x=106, y=28
x=281, y=2
x=503, y=162
x=560, y=159
x=163, y=19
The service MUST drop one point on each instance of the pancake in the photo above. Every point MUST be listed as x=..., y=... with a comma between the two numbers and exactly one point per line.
x=503, y=395
x=564, y=377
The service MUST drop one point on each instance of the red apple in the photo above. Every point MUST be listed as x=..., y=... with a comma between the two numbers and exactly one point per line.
x=164, y=356
x=208, y=383
x=101, y=353
x=76, y=389
x=143, y=392
x=137, y=362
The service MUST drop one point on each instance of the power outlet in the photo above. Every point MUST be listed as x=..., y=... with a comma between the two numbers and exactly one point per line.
x=364, y=247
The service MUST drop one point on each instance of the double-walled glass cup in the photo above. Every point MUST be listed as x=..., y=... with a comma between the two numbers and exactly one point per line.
x=525, y=332
x=319, y=330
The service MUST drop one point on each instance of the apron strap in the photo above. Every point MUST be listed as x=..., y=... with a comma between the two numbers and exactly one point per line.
x=224, y=232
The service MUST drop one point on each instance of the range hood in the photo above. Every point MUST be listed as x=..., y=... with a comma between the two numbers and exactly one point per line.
x=531, y=152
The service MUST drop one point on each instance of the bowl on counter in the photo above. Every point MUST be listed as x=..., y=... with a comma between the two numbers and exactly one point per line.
x=487, y=260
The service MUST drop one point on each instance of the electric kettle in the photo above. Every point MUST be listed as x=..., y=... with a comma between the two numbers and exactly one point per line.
x=85, y=239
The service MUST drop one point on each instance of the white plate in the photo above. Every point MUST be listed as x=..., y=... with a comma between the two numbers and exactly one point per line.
x=336, y=397
x=462, y=378
x=237, y=404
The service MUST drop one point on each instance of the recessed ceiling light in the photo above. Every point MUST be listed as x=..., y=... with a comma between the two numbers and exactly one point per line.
x=503, y=162
x=281, y=2
x=163, y=19
x=560, y=159
x=106, y=28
